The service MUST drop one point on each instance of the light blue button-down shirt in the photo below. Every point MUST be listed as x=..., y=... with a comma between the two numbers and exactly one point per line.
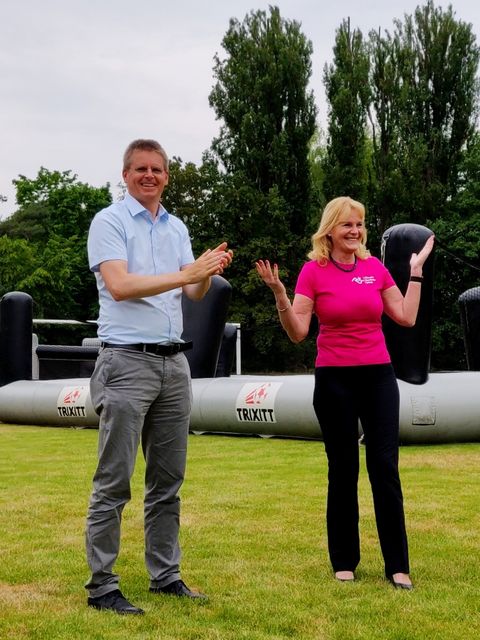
x=125, y=231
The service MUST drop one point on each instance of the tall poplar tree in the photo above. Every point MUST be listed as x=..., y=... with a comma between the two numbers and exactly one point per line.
x=424, y=118
x=261, y=95
x=348, y=94
x=423, y=113
x=267, y=115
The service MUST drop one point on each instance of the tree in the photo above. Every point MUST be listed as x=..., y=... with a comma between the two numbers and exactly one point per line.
x=420, y=149
x=268, y=118
x=386, y=179
x=54, y=202
x=17, y=258
x=423, y=113
x=48, y=233
x=268, y=113
x=51, y=276
x=459, y=266
x=423, y=127
x=194, y=195
x=317, y=158
x=348, y=94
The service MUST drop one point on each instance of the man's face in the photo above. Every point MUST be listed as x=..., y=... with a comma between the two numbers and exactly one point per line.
x=146, y=177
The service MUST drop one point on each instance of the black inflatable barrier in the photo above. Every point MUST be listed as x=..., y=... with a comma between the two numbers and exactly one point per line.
x=64, y=361
x=469, y=303
x=227, y=352
x=204, y=323
x=16, y=312
x=409, y=348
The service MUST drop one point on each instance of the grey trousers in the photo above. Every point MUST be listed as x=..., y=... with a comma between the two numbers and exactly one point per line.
x=147, y=398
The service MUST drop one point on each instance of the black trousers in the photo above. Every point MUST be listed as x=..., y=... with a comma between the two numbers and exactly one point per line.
x=342, y=396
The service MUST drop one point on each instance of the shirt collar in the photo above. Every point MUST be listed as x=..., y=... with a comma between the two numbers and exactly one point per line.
x=135, y=207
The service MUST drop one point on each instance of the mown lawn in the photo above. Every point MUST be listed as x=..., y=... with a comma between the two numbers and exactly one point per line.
x=253, y=538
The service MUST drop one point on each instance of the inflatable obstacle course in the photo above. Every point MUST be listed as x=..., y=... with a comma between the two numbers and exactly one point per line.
x=434, y=407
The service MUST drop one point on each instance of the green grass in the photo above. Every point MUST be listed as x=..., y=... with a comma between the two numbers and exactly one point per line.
x=253, y=538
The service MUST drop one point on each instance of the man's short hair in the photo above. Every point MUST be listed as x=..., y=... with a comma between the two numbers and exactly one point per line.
x=143, y=144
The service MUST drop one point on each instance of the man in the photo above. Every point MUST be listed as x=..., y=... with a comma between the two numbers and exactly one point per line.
x=142, y=259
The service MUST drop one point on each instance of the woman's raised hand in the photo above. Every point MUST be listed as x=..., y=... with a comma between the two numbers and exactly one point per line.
x=270, y=276
x=418, y=259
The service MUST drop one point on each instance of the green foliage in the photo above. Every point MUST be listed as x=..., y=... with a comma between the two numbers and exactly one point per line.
x=421, y=104
x=424, y=79
x=457, y=266
x=218, y=207
x=51, y=275
x=386, y=179
x=261, y=230
x=17, y=258
x=194, y=194
x=31, y=222
x=268, y=114
x=348, y=93
x=425, y=92
x=43, y=244
x=419, y=90
x=54, y=202
x=263, y=204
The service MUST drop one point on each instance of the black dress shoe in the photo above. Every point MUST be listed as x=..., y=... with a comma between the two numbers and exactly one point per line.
x=115, y=601
x=400, y=585
x=179, y=588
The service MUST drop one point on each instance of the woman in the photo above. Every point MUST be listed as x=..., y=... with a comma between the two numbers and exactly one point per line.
x=348, y=290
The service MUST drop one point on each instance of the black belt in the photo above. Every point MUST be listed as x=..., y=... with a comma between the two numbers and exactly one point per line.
x=157, y=349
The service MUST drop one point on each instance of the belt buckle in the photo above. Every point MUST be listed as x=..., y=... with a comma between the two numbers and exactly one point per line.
x=176, y=347
x=163, y=349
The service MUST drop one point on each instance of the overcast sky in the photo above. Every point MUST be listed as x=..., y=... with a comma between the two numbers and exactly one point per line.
x=80, y=79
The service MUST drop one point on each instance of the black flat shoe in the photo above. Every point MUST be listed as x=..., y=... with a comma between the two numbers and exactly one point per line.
x=180, y=589
x=115, y=601
x=399, y=585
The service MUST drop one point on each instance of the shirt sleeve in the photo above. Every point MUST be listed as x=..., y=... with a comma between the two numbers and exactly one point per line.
x=106, y=240
x=388, y=280
x=304, y=284
x=187, y=256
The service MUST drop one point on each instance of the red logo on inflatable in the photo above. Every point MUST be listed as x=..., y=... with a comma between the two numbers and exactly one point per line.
x=258, y=395
x=72, y=397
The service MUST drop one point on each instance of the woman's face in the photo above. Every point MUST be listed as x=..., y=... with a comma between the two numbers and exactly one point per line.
x=347, y=234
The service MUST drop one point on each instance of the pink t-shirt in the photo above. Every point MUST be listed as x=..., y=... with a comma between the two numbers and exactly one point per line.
x=349, y=309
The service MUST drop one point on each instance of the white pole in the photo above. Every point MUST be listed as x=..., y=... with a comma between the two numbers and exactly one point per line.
x=238, y=349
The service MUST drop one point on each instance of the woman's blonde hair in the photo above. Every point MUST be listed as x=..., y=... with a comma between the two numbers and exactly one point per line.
x=332, y=215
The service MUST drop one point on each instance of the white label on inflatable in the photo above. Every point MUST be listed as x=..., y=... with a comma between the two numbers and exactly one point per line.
x=256, y=402
x=71, y=402
x=423, y=410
